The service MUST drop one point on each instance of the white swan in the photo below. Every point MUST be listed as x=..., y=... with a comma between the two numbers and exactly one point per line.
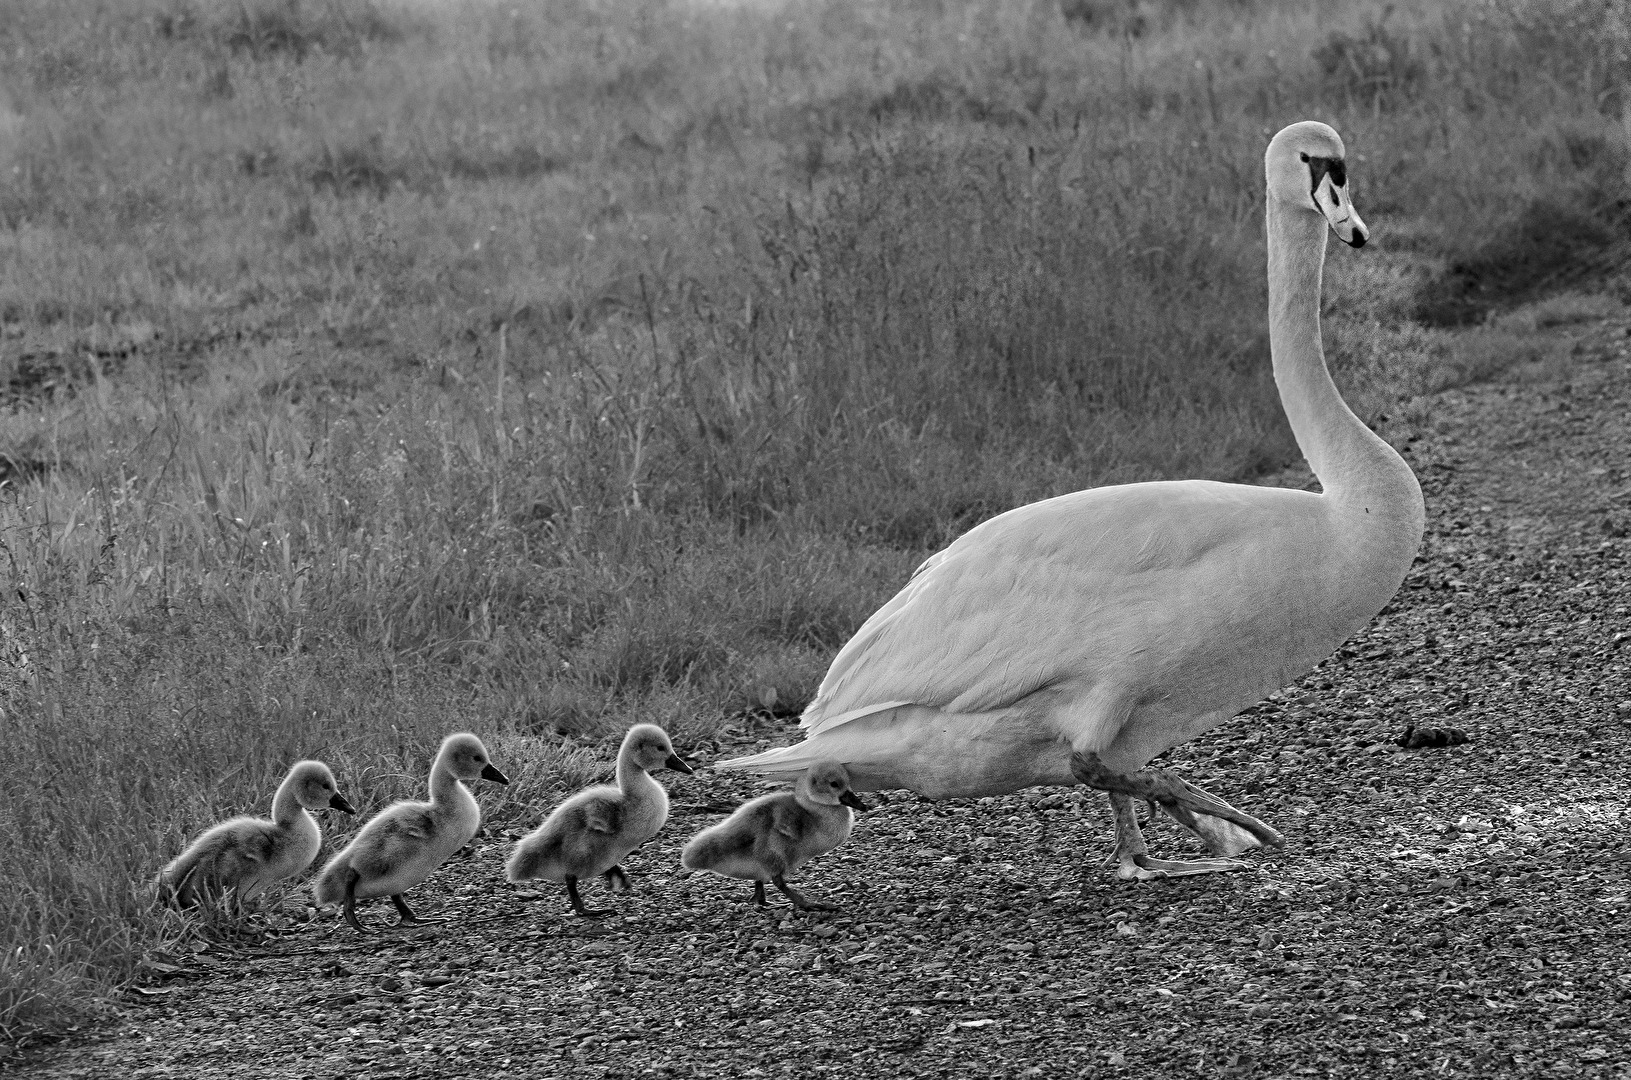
x=407, y=841
x=594, y=830
x=1076, y=638
x=248, y=854
x=773, y=835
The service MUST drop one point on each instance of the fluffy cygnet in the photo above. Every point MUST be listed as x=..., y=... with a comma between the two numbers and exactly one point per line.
x=770, y=837
x=408, y=840
x=594, y=830
x=247, y=854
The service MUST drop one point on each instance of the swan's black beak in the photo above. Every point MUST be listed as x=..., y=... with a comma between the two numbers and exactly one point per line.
x=849, y=798
x=337, y=801
x=490, y=773
x=1331, y=199
x=674, y=762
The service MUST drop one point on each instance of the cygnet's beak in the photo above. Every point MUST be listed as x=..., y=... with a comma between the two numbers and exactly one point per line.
x=674, y=762
x=490, y=773
x=849, y=798
x=338, y=802
x=1332, y=200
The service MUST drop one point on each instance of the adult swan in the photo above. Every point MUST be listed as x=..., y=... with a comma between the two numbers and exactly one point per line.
x=1072, y=640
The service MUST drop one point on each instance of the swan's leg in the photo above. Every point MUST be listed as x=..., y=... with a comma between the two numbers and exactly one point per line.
x=577, y=901
x=1223, y=827
x=1131, y=858
x=1185, y=802
x=617, y=880
x=798, y=901
x=759, y=894
x=350, y=907
x=405, y=915
x=1130, y=846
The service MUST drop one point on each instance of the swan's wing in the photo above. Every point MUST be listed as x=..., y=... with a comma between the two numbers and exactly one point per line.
x=981, y=625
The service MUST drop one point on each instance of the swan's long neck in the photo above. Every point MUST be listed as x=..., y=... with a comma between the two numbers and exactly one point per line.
x=286, y=808
x=1354, y=465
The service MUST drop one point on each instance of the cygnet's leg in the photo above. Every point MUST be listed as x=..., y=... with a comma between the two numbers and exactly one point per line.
x=1222, y=826
x=577, y=901
x=617, y=880
x=350, y=906
x=798, y=901
x=759, y=894
x=405, y=915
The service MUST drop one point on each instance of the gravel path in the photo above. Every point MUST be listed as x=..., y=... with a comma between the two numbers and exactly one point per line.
x=1439, y=912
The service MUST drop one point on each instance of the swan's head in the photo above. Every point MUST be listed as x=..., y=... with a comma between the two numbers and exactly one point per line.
x=314, y=787
x=827, y=783
x=465, y=757
x=1307, y=168
x=648, y=746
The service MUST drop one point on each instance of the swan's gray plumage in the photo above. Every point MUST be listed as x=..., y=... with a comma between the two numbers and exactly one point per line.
x=593, y=831
x=407, y=841
x=246, y=855
x=772, y=836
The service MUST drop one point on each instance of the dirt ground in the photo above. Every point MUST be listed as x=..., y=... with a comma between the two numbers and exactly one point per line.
x=1455, y=911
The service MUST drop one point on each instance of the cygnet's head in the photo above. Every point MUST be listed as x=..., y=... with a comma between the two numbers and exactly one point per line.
x=314, y=787
x=827, y=782
x=1307, y=168
x=465, y=757
x=649, y=747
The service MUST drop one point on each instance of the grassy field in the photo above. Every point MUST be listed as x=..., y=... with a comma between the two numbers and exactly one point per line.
x=374, y=370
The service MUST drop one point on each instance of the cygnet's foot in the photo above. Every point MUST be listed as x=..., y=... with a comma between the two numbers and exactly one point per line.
x=406, y=917
x=798, y=901
x=577, y=902
x=617, y=880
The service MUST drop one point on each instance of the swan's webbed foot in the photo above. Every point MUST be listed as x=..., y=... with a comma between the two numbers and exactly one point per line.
x=798, y=900
x=577, y=902
x=405, y=915
x=1148, y=869
x=1131, y=856
x=1227, y=831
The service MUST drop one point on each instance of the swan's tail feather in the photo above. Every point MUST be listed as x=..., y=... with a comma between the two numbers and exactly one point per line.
x=816, y=725
x=786, y=761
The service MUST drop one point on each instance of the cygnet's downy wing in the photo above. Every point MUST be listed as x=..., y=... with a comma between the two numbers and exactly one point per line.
x=789, y=819
x=400, y=834
x=980, y=626
x=602, y=814
x=228, y=853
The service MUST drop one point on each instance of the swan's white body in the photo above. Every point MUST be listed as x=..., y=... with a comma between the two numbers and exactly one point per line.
x=596, y=829
x=407, y=841
x=248, y=854
x=1122, y=621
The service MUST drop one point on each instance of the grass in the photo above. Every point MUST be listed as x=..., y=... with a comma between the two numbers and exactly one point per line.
x=376, y=370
